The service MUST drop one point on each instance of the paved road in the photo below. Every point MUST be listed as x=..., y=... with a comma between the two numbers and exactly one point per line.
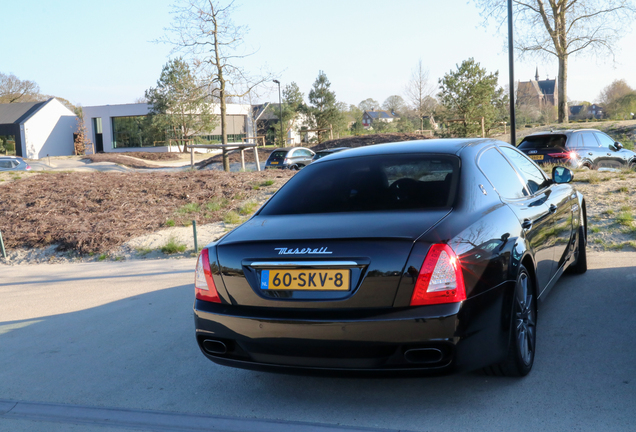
x=113, y=343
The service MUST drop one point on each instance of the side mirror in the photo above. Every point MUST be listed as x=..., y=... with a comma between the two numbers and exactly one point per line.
x=618, y=145
x=561, y=174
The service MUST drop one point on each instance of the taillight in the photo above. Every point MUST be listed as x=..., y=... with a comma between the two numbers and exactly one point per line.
x=561, y=155
x=204, y=288
x=440, y=279
x=28, y=168
x=286, y=161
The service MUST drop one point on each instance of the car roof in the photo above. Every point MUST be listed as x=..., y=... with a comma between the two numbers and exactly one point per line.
x=562, y=132
x=443, y=145
x=330, y=150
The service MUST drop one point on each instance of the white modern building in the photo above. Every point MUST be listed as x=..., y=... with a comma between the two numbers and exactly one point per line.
x=39, y=129
x=118, y=128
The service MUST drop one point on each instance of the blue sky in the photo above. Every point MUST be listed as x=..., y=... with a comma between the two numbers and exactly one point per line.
x=97, y=53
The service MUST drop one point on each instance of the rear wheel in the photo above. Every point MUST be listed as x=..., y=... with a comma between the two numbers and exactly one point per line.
x=523, y=335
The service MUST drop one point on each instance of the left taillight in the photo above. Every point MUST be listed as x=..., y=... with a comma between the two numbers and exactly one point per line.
x=440, y=279
x=204, y=288
x=28, y=168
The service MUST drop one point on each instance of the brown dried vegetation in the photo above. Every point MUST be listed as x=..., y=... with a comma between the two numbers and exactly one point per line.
x=95, y=212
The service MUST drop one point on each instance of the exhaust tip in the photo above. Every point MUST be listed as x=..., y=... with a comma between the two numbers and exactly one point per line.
x=214, y=346
x=424, y=355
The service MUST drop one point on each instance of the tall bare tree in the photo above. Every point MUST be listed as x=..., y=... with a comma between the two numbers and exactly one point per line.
x=13, y=89
x=204, y=29
x=563, y=27
x=419, y=92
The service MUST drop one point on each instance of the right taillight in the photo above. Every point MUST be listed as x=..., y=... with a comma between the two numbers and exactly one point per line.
x=204, y=288
x=440, y=279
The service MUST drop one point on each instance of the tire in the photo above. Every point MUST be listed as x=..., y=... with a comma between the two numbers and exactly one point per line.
x=580, y=265
x=523, y=335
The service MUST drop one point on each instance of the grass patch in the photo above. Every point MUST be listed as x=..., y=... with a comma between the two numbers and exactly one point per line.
x=187, y=223
x=595, y=230
x=170, y=223
x=248, y=208
x=102, y=257
x=593, y=179
x=267, y=183
x=172, y=246
x=625, y=219
x=623, y=189
x=189, y=208
x=231, y=218
x=217, y=204
x=609, y=212
x=143, y=251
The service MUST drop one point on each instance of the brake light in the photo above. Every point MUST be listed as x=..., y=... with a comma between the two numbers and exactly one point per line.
x=562, y=155
x=440, y=279
x=28, y=168
x=286, y=161
x=204, y=288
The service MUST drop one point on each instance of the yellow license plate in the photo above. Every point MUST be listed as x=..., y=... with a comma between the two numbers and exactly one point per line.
x=306, y=279
x=536, y=157
x=274, y=163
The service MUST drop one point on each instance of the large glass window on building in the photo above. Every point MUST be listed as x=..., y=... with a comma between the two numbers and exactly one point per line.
x=134, y=131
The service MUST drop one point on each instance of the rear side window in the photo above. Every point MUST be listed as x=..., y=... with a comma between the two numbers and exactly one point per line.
x=589, y=140
x=535, y=180
x=6, y=164
x=368, y=184
x=501, y=174
x=540, y=142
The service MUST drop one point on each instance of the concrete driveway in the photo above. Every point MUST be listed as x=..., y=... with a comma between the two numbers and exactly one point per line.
x=110, y=346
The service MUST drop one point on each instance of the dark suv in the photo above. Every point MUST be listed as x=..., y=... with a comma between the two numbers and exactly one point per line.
x=291, y=158
x=577, y=148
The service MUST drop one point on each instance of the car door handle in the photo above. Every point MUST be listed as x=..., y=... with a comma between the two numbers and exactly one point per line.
x=526, y=224
x=553, y=208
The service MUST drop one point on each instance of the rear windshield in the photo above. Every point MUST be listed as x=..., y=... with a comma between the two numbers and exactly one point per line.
x=370, y=183
x=542, y=142
x=278, y=154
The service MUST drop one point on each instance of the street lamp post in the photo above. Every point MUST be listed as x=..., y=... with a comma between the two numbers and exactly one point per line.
x=511, y=68
x=280, y=105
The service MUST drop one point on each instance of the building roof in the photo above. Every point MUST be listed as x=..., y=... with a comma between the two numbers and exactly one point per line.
x=16, y=113
x=380, y=114
x=547, y=86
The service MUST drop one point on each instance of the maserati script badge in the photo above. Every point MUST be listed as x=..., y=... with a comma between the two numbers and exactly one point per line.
x=303, y=251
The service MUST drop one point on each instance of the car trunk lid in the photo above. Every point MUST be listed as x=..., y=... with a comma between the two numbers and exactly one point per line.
x=271, y=261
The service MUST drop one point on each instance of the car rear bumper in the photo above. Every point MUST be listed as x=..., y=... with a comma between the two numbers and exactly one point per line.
x=439, y=338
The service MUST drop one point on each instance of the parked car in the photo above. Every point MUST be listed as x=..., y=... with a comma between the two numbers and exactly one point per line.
x=392, y=258
x=13, y=163
x=289, y=158
x=578, y=148
x=326, y=152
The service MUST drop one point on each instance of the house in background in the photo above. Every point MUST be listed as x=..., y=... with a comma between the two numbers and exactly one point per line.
x=539, y=93
x=586, y=111
x=267, y=115
x=40, y=129
x=368, y=117
x=119, y=128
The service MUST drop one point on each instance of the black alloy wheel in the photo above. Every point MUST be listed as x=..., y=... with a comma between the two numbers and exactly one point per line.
x=523, y=334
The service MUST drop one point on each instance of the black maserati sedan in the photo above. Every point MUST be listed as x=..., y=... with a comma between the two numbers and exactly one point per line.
x=415, y=256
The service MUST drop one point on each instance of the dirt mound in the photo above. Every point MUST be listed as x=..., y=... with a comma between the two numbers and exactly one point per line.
x=119, y=159
x=365, y=140
x=165, y=156
x=95, y=212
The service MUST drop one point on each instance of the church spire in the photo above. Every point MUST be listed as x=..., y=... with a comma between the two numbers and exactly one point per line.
x=536, y=77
